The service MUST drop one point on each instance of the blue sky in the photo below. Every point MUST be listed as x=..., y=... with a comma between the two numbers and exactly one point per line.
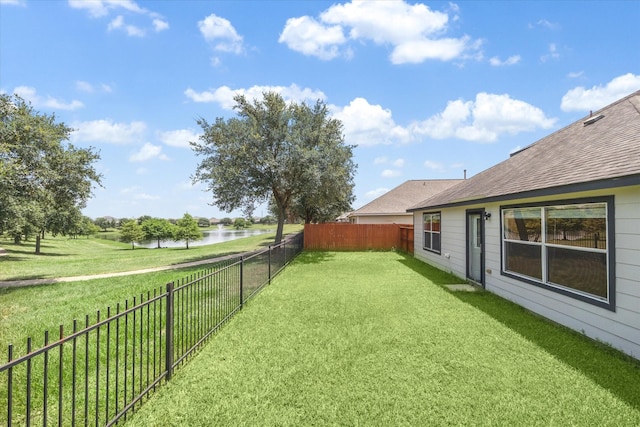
x=425, y=90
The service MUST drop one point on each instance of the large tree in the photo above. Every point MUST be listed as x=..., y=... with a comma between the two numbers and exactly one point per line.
x=273, y=150
x=44, y=180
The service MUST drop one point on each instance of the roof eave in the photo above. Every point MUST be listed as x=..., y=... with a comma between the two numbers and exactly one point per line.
x=623, y=181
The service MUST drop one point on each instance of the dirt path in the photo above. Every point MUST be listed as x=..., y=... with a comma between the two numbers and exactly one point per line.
x=32, y=282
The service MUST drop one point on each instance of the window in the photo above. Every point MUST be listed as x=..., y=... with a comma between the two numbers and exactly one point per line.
x=431, y=223
x=563, y=247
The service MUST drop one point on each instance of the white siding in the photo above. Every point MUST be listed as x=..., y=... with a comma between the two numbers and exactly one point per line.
x=619, y=328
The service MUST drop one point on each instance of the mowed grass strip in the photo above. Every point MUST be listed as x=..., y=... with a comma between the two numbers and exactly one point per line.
x=373, y=339
x=31, y=310
x=65, y=257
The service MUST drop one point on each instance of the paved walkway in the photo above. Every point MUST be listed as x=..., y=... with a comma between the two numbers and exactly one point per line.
x=32, y=282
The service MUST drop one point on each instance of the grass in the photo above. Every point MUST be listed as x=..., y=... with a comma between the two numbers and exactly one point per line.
x=372, y=338
x=64, y=257
x=29, y=311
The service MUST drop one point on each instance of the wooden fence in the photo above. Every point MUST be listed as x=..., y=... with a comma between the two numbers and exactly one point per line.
x=354, y=237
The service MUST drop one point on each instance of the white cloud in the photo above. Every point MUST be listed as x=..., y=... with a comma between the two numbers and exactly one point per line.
x=366, y=124
x=179, y=138
x=310, y=37
x=131, y=30
x=136, y=193
x=188, y=186
x=413, y=31
x=390, y=173
x=99, y=8
x=512, y=60
x=30, y=94
x=103, y=8
x=438, y=167
x=380, y=160
x=398, y=163
x=108, y=132
x=544, y=23
x=145, y=196
x=224, y=94
x=160, y=25
x=14, y=2
x=581, y=99
x=575, y=74
x=484, y=120
x=84, y=86
x=221, y=34
x=87, y=87
x=147, y=152
x=374, y=194
x=553, y=53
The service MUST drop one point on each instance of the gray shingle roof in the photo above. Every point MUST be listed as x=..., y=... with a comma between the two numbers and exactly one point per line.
x=407, y=194
x=599, y=154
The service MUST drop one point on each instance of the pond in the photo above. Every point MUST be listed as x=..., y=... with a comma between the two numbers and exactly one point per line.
x=209, y=237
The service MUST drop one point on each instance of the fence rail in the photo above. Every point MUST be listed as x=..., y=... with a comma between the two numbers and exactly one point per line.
x=97, y=374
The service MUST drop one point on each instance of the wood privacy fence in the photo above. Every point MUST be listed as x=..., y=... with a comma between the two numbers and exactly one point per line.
x=354, y=237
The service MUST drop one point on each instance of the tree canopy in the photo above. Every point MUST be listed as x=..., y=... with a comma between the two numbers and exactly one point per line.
x=187, y=229
x=131, y=232
x=44, y=181
x=293, y=154
x=157, y=229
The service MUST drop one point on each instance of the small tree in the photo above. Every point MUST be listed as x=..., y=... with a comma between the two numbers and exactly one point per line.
x=158, y=229
x=131, y=232
x=239, y=223
x=187, y=229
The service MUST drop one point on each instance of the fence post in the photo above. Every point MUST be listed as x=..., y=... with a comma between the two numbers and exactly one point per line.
x=284, y=248
x=269, y=264
x=169, y=331
x=241, y=281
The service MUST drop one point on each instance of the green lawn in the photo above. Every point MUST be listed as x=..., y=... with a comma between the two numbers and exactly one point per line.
x=64, y=257
x=372, y=338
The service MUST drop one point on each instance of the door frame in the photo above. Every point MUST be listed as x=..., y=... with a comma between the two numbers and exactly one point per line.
x=468, y=214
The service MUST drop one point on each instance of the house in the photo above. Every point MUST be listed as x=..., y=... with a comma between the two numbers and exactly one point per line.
x=391, y=207
x=554, y=228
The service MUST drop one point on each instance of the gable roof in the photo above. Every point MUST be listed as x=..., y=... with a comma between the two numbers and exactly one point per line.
x=599, y=151
x=407, y=194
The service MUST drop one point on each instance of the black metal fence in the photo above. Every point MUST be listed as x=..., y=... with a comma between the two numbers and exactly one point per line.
x=101, y=371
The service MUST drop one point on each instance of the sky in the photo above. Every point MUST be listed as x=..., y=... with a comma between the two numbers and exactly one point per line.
x=424, y=90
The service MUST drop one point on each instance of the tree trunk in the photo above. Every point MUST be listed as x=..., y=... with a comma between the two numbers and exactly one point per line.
x=158, y=243
x=133, y=245
x=38, y=244
x=187, y=243
x=280, y=229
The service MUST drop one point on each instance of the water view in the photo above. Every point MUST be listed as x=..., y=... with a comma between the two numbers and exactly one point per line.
x=209, y=238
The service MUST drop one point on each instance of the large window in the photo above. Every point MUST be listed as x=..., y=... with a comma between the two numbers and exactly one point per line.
x=431, y=223
x=561, y=246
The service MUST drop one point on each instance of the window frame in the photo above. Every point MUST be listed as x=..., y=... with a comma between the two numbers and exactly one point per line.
x=607, y=302
x=431, y=232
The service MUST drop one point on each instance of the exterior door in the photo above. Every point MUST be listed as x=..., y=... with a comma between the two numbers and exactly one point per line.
x=475, y=246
